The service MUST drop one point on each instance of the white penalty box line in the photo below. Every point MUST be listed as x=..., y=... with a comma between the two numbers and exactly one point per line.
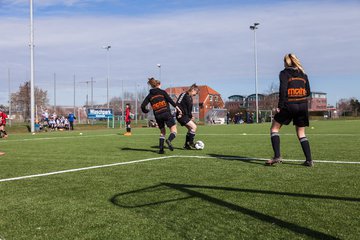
x=82, y=169
x=161, y=158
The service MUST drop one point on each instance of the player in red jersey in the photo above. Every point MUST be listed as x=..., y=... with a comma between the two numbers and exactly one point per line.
x=3, y=118
x=128, y=120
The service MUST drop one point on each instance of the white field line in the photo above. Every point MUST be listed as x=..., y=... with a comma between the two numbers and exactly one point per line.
x=156, y=134
x=265, y=159
x=57, y=138
x=83, y=169
x=160, y=158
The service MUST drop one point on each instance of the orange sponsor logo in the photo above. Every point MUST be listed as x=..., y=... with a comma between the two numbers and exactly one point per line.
x=159, y=105
x=296, y=92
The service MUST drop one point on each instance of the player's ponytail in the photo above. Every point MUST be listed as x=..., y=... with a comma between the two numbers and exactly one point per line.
x=153, y=82
x=291, y=60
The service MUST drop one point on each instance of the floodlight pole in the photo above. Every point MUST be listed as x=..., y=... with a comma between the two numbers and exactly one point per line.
x=254, y=27
x=122, y=104
x=92, y=92
x=54, y=92
x=9, y=81
x=108, y=74
x=136, y=103
x=74, y=94
x=32, y=91
x=107, y=79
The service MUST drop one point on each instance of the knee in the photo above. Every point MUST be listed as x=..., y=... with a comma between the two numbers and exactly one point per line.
x=274, y=129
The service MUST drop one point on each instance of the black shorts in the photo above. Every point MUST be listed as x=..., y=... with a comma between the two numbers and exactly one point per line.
x=165, y=118
x=183, y=120
x=296, y=112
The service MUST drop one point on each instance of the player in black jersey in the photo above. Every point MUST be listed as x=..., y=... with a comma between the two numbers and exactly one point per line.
x=293, y=106
x=160, y=100
x=185, y=103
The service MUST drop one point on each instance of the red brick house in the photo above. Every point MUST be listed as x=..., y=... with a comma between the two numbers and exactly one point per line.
x=208, y=99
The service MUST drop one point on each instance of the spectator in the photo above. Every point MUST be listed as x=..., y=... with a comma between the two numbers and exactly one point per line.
x=71, y=118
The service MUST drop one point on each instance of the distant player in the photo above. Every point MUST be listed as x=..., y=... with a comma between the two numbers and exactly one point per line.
x=185, y=103
x=294, y=88
x=160, y=100
x=71, y=118
x=128, y=120
x=3, y=118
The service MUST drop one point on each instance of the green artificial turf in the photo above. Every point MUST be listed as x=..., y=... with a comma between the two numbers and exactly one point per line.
x=227, y=194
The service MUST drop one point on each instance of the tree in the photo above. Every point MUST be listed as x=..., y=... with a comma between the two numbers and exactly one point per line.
x=20, y=101
x=355, y=106
x=344, y=106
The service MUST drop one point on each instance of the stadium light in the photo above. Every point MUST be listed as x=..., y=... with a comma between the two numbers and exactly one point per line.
x=159, y=66
x=254, y=27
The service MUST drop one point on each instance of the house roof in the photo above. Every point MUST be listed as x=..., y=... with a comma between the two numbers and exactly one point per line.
x=204, y=91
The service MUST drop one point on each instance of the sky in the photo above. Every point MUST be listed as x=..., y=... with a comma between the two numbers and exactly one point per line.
x=203, y=41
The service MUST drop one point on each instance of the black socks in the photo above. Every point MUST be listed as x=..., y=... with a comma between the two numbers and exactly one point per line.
x=275, y=142
x=306, y=148
x=190, y=137
x=172, y=136
x=161, y=142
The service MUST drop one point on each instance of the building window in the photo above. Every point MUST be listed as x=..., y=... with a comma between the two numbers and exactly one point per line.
x=216, y=98
x=210, y=98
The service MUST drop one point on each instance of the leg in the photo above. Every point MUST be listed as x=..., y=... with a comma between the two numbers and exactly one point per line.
x=187, y=139
x=300, y=131
x=191, y=126
x=275, y=142
x=172, y=136
x=128, y=127
x=162, y=140
x=2, y=129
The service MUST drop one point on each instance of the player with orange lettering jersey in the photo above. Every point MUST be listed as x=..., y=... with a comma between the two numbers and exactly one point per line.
x=292, y=106
x=160, y=103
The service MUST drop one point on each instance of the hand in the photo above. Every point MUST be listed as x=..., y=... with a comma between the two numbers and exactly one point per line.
x=277, y=110
x=179, y=111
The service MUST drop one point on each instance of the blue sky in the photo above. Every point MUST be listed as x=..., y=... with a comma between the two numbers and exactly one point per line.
x=203, y=41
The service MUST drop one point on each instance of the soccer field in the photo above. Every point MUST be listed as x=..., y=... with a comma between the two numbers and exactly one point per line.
x=102, y=185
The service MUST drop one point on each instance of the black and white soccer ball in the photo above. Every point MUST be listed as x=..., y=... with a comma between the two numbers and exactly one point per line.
x=199, y=145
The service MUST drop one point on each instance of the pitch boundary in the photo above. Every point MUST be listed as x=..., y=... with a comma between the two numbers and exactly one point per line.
x=161, y=158
x=180, y=134
x=82, y=169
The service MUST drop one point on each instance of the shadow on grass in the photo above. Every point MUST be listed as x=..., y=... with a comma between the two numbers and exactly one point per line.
x=138, y=149
x=192, y=191
x=177, y=148
x=238, y=158
x=253, y=160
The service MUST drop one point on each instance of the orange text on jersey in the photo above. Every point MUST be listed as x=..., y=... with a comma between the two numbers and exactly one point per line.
x=296, y=92
x=159, y=105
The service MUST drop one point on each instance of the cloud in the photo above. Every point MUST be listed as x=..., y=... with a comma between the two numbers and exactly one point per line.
x=207, y=46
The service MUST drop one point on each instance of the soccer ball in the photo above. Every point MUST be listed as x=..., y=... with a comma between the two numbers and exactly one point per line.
x=199, y=145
